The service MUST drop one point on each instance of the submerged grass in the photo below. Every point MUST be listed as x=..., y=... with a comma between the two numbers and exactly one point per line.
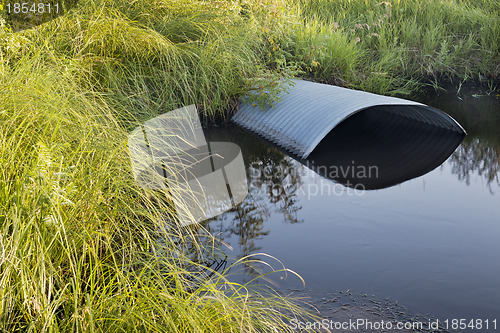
x=82, y=248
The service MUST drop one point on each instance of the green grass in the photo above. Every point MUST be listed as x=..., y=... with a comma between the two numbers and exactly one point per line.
x=82, y=248
x=79, y=241
x=393, y=47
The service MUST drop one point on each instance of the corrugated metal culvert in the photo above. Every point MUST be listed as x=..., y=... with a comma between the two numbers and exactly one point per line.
x=309, y=111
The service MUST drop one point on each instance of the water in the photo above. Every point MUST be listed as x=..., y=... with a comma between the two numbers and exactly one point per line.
x=432, y=243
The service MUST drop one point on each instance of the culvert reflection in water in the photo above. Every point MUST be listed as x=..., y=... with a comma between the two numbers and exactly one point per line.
x=431, y=242
x=380, y=147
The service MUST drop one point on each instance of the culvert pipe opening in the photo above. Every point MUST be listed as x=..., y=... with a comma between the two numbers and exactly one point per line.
x=382, y=146
x=330, y=126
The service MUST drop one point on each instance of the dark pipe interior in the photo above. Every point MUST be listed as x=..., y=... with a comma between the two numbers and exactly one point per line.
x=375, y=148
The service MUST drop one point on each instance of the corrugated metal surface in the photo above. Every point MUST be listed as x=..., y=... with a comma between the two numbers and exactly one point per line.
x=309, y=111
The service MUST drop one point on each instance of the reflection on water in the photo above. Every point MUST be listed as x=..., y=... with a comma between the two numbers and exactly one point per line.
x=378, y=148
x=479, y=154
x=430, y=242
x=477, y=157
x=274, y=180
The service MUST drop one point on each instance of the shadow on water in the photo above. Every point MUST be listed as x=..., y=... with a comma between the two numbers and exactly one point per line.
x=376, y=149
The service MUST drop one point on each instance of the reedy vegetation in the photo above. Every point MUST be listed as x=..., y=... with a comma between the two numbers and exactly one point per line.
x=82, y=247
x=79, y=245
x=391, y=47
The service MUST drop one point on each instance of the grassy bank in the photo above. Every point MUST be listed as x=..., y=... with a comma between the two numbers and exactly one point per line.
x=82, y=247
x=391, y=47
x=79, y=240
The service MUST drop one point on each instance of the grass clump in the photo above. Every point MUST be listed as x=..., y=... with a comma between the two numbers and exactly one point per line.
x=79, y=241
x=82, y=248
x=394, y=47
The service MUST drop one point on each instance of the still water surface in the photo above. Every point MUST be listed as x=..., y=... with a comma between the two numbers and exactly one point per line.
x=432, y=243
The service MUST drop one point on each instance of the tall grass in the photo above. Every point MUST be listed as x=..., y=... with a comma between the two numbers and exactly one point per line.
x=82, y=248
x=394, y=47
x=157, y=55
x=79, y=241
